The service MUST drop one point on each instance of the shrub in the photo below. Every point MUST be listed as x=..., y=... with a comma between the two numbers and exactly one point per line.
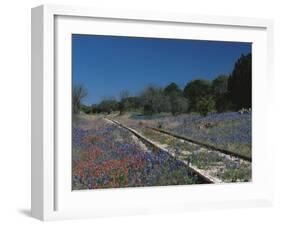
x=205, y=105
x=107, y=106
x=154, y=101
x=178, y=105
x=86, y=109
x=195, y=90
x=148, y=109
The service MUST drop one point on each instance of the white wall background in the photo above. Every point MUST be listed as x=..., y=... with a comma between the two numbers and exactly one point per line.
x=15, y=111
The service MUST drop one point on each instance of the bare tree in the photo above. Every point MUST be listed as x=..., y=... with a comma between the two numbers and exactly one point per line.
x=123, y=103
x=78, y=93
x=154, y=101
x=124, y=94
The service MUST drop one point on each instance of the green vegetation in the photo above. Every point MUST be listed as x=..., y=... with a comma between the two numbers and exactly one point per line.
x=205, y=105
x=240, y=83
x=197, y=90
x=219, y=89
x=204, y=159
x=224, y=93
x=241, y=174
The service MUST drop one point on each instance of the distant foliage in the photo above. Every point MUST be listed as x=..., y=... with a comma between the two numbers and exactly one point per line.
x=172, y=90
x=205, y=105
x=123, y=104
x=154, y=101
x=95, y=109
x=224, y=93
x=195, y=91
x=240, y=83
x=129, y=104
x=86, y=109
x=219, y=84
x=108, y=106
x=179, y=105
x=219, y=88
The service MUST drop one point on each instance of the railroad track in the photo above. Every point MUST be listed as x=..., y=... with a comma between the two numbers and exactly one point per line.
x=193, y=169
x=224, y=151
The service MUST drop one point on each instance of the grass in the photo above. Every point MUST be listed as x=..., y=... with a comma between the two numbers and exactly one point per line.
x=243, y=174
x=240, y=148
x=205, y=160
x=169, y=141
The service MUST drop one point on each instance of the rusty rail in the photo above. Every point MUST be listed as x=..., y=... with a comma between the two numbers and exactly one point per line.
x=194, y=170
x=237, y=155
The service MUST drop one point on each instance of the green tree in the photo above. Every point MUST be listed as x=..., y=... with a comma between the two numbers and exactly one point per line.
x=123, y=105
x=219, y=84
x=107, y=106
x=195, y=90
x=205, y=105
x=95, y=108
x=179, y=104
x=219, y=87
x=148, y=109
x=128, y=102
x=240, y=83
x=154, y=101
x=172, y=90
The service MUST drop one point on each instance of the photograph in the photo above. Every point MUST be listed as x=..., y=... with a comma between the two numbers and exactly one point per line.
x=152, y=111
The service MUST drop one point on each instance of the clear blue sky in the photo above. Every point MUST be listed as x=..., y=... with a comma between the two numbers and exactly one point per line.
x=105, y=65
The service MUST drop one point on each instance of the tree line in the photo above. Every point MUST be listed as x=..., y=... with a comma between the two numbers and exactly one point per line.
x=224, y=93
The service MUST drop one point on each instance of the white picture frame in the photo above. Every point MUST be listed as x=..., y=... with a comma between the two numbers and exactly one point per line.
x=52, y=197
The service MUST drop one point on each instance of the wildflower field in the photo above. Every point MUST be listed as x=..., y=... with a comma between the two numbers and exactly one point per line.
x=107, y=156
x=230, y=130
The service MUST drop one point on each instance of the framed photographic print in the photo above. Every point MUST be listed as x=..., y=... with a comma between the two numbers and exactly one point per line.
x=138, y=112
